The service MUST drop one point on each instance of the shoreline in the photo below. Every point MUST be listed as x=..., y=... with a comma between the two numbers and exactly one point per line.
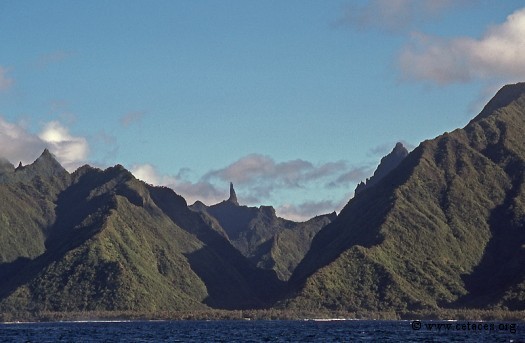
x=247, y=315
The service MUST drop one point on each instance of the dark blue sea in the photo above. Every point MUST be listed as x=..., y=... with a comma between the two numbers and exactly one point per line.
x=264, y=331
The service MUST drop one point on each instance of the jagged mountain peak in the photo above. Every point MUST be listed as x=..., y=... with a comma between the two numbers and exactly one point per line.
x=46, y=153
x=48, y=164
x=400, y=149
x=387, y=164
x=47, y=157
x=45, y=166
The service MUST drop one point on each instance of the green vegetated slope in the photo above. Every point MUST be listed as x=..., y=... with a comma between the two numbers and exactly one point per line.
x=27, y=210
x=443, y=229
x=115, y=243
x=270, y=242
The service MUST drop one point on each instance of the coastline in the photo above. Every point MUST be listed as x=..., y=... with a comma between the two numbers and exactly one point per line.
x=207, y=315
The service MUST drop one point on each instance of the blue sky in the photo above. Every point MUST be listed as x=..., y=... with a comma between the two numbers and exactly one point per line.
x=293, y=101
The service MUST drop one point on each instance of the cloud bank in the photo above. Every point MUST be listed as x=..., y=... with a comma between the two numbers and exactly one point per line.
x=497, y=55
x=259, y=179
x=261, y=175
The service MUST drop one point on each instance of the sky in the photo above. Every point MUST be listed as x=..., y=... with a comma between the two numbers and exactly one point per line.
x=295, y=102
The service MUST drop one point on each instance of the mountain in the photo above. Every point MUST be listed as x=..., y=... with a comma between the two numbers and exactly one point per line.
x=103, y=240
x=270, y=242
x=445, y=228
x=387, y=164
x=440, y=228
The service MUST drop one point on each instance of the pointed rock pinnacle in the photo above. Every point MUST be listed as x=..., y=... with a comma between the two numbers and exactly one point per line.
x=233, y=196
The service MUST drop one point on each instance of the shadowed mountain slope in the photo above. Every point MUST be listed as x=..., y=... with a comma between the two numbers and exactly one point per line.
x=444, y=228
x=270, y=242
x=27, y=206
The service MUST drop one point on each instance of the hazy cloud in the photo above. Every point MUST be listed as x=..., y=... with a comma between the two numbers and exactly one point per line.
x=261, y=175
x=497, y=55
x=18, y=144
x=131, y=117
x=308, y=209
x=259, y=168
x=201, y=190
x=209, y=194
x=395, y=14
x=354, y=175
x=5, y=81
x=257, y=179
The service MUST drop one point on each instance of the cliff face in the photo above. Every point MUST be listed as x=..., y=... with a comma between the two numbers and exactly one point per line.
x=444, y=228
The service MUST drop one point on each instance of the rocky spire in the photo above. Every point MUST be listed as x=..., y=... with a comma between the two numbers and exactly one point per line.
x=233, y=196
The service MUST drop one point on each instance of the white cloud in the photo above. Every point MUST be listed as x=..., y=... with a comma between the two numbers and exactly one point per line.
x=147, y=173
x=71, y=151
x=5, y=81
x=497, y=55
x=17, y=144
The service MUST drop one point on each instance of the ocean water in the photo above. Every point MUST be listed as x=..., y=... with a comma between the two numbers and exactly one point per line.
x=264, y=331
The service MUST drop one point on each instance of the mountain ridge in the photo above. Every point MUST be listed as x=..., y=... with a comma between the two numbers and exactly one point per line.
x=259, y=234
x=442, y=229
x=432, y=228
x=386, y=165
